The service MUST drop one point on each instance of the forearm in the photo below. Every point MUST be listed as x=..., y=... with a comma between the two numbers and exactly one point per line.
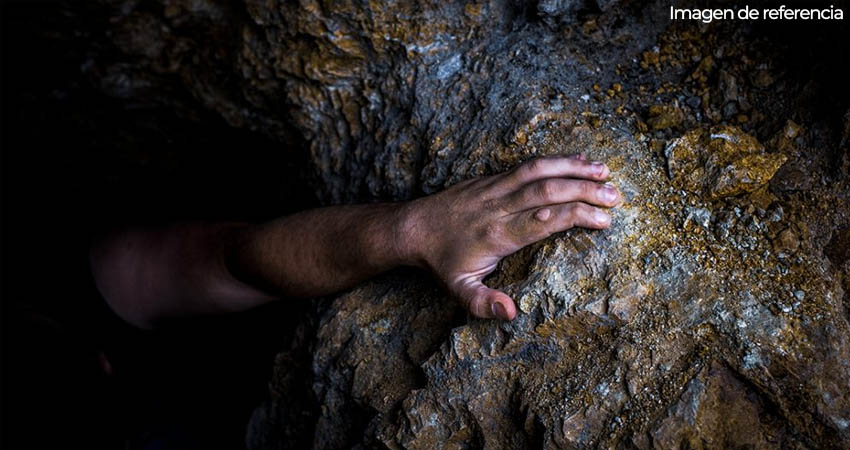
x=208, y=268
x=146, y=275
x=323, y=251
x=459, y=234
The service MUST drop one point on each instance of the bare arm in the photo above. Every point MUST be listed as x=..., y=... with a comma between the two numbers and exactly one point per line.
x=459, y=234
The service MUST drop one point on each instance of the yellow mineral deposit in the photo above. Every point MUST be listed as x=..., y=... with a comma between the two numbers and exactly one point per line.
x=720, y=162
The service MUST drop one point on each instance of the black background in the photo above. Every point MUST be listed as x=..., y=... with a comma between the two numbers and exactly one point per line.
x=76, y=163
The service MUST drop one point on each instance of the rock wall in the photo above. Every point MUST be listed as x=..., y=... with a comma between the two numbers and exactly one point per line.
x=713, y=313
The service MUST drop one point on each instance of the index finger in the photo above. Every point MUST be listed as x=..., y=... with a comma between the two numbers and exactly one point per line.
x=554, y=166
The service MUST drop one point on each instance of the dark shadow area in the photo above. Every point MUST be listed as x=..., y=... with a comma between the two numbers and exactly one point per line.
x=75, y=163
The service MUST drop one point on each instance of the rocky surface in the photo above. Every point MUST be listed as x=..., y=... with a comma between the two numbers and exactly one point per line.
x=720, y=162
x=714, y=312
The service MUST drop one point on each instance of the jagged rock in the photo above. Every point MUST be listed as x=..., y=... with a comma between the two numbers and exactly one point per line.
x=678, y=326
x=787, y=242
x=555, y=9
x=664, y=116
x=783, y=140
x=723, y=161
x=368, y=354
x=718, y=410
x=729, y=85
x=762, y=78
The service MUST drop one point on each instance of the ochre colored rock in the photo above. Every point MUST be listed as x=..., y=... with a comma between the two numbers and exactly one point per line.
x=664, y=116
x=787, y=241
x=718, y=410
x=720, y=162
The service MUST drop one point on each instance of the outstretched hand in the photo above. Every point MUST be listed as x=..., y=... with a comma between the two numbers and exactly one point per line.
x=462, y=233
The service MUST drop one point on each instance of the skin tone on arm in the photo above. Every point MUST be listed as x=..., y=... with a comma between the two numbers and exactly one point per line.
x=459, y=235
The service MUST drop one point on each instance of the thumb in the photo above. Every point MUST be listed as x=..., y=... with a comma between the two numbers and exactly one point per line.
x=484, y=302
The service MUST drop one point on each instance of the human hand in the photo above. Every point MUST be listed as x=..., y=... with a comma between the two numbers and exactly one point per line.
x=462, y=233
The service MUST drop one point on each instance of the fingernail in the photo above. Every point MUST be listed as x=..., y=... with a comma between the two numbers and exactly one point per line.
x=598, y=167
x=499, y=310
x=601, y=216
x=609, y=193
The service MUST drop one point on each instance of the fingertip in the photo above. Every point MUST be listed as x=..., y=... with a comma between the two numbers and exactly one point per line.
x=511, y=311
x=610, y=195
x=599, y=170
x=604, y=172
x=503, y=307
x=602, y=218
x=498, y=310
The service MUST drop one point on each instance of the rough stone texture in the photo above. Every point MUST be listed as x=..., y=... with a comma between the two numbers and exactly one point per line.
x=713, y=313
x=720, y=162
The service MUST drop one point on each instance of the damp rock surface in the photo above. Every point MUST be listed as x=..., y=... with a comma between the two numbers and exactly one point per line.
x=713, y=312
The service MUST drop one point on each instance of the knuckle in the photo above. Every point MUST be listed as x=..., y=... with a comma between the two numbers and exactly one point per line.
x=588, y=189
x=547, y=190
x=574, y=211
x=475, y=307
x=473, y=301
x=534, y=166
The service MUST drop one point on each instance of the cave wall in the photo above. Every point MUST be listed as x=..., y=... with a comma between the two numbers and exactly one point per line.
x=713, y=313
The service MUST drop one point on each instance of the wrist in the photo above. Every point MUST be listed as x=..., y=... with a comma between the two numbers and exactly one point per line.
x=410, y=232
